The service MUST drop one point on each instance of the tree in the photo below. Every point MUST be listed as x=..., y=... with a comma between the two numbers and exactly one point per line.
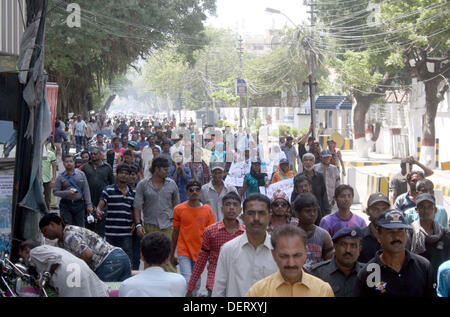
x=424, y=52
x=354, y=40
x=198, y=83
x=112, y=36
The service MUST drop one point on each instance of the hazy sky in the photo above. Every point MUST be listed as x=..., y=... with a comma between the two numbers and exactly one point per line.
x=248, y=16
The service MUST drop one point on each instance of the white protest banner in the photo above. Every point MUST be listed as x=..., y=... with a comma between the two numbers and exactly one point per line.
x=286, y=186
x=237, y=173
x=234, y=181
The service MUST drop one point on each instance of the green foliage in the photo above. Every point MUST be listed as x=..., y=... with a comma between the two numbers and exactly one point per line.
x=200, y=82
x=284, y=130
x=223, y=123
x=112, y=36
x=295, y=132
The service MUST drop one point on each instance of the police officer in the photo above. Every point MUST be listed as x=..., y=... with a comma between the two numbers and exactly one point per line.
x=341, y=271
x=395, y=271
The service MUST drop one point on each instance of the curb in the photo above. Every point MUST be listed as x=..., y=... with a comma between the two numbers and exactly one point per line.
x=360, y=164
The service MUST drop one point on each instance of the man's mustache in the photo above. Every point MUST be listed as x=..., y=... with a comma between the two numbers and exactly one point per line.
x=290, y=267
x=396, y=241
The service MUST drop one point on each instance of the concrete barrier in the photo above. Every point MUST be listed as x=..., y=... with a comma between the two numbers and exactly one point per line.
x=323, y=139
x=365, y=184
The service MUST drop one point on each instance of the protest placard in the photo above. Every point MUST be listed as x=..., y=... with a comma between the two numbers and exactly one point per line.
x=286, y=186
x=237, y=173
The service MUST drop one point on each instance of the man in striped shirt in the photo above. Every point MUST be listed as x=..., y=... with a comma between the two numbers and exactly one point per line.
x=119, y=199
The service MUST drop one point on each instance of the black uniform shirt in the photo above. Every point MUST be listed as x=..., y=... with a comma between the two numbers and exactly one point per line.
x=343, y=286
x=415, y=278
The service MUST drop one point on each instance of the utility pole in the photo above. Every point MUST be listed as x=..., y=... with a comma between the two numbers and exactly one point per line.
x=311, y=61
x=311, y=86
x=240, y=50
x=206, y=91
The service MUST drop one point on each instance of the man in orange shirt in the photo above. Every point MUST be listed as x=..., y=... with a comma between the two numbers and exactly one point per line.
x=190, y=219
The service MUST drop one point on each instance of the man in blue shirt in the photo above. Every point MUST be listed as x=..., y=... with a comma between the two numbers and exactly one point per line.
x=180, y=174
x=425, y=186
x=443, y=280
x=406, y=200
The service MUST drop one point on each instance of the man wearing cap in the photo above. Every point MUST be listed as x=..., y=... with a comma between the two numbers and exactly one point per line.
x=430, y=239
x=441, y=216
x=280, y=211
x=291, y=154
x=330, y=174
x=341, y=271
x=395, y=271
x=376, y=205
x=284, y=172
x=398, y=183
x=216, y=189
x=336, y=155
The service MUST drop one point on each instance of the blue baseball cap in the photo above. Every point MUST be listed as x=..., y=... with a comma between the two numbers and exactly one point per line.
x=326, y=153
x=392, y=219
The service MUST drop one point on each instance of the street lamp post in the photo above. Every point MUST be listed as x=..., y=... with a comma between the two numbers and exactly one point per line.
x=311, y=83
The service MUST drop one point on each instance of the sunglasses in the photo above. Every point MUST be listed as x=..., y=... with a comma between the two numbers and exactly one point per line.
x=279, y=204
x=194, y=189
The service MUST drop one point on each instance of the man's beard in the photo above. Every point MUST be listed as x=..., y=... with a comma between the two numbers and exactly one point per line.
x=309, y=169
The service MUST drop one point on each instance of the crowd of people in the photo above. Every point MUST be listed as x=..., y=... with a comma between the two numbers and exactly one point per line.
x=141, y=196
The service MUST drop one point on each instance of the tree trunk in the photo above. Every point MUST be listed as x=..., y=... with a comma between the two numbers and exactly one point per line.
x=109, y=102
x=432, y=100
x=362, y=146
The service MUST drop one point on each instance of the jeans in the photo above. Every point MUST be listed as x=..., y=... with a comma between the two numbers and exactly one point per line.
x=186, y=266
x=79, y=142
x=65, y=147
x=73, y=212
x=122, y=242
x=136, y=256
x=115, y=268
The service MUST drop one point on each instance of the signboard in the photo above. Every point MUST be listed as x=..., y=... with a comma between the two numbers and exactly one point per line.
x=241, y=87
x=286, y=186
x=6, y=193
x=52, y=100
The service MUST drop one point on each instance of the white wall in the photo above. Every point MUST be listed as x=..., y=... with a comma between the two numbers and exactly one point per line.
x=442, y=121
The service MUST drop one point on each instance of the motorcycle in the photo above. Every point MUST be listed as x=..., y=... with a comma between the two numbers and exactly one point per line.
x=16, y=280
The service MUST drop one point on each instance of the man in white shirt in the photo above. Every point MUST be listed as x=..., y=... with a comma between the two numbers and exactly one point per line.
x=70, y=275
x=154, y=281
x=79, y=130
x=330, y=173
x=246, y=259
